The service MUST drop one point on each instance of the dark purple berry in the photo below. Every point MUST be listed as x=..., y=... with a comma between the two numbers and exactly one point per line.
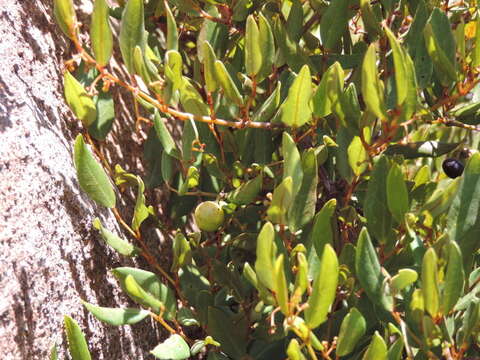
x=452, y=167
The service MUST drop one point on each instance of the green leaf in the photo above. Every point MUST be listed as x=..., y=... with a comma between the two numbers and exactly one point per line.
x=116, y=316
x=372, y=87
x=476, y=50
x=102, y=125
x=302, y=210
x=396, y=350
x=91, y=176
x=119, y=245
x=266, y=254
x=77, y=345
x=218, y=321
x=294, y=351
x=334, y=22
x=357, y=156
x=150, y=284
x=292, y=162
x=454, y=278
x=324, y=289
x=296, y=109
x=172, y=34
x=140, y=66
x=400, y=64
x=351, y=331
x=329, y=91
x=182, y=253
x=189, y=138
x=404, y=278
x=372, y=25
x=78, y=100
x=463, y=220
x=440, y=45
x=209, y=58
x=379, y=219
x=174, y=348
x=281, y=291
x=100, y=33
x=64, y=13
x=173, y=69
x=132, y=31
x=421, y=149
x=377, y=350
x=369, y=273
x=53, y=352
x=227, y=83
x=138, y=294
x=191, y=180
x=281, y=201
x=430, y=289
x=322, y=232
x=165, y=137
x=253, y=51
x=471, y=319
x=247, y=192
x=141, y=212
x=267, y=46
x=397, y=193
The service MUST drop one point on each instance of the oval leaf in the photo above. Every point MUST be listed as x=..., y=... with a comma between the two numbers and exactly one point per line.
x=430, y=282
x=296, y=109
x=132, y=31
x=100, y=33
x=397, y=193
x=78, y=100
x=352, y=329
x=174, y=348
x=116, y=316
x=91, y=176
x=77, y=345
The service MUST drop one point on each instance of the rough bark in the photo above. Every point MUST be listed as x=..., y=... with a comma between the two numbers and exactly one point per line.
x=50, y=256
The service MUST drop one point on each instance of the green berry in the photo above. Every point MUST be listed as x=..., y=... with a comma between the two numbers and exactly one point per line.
x=209, y=216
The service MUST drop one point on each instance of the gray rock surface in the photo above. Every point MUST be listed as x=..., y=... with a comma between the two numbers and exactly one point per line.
x=50, y=257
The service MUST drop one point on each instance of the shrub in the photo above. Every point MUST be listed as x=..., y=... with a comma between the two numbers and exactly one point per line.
x=317, y=132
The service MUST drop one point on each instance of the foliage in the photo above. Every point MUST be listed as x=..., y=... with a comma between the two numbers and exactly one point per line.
x=316, y=131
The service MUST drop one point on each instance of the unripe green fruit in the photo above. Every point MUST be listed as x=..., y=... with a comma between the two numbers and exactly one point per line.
x=209, y=216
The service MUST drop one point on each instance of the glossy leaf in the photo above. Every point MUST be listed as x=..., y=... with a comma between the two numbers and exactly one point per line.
x=454, y=278
x=369, y=273
x=372, y=87
x=294, y=351
x=351, y=331
x=172, y=34
x=324, y=289
x=464, y=214
x=266, y=254
x=247, y=192
x=322, y=232
x=421, y=149
x=267, y=46
x=119, y=245
x=404, y=278
x=77, y=345
x=292, y=163
x=357, y=156
x=91, y=176
x=209, y=58
x=132, y=28
x=400, y=67
x=174, y=348
x=397, y=193
x=218, y=321
x=64, y=13
x=377, y=350
x=281, y=290
x=253, y=51
x=281, y=201
x=164, y=135
x=334, y=21
x=379, y=219
x=227, y=83
x=103, y=123
x=116, y=316
x=296, y=109
x=150, y=284
x=100, y=33
x=141, y=212
x=372, y=25
x=78, y=100
x=430, y=288
x=302, y=210
x=440, y=45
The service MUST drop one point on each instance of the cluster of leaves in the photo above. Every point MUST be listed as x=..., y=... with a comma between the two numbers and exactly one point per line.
x=319, y=130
